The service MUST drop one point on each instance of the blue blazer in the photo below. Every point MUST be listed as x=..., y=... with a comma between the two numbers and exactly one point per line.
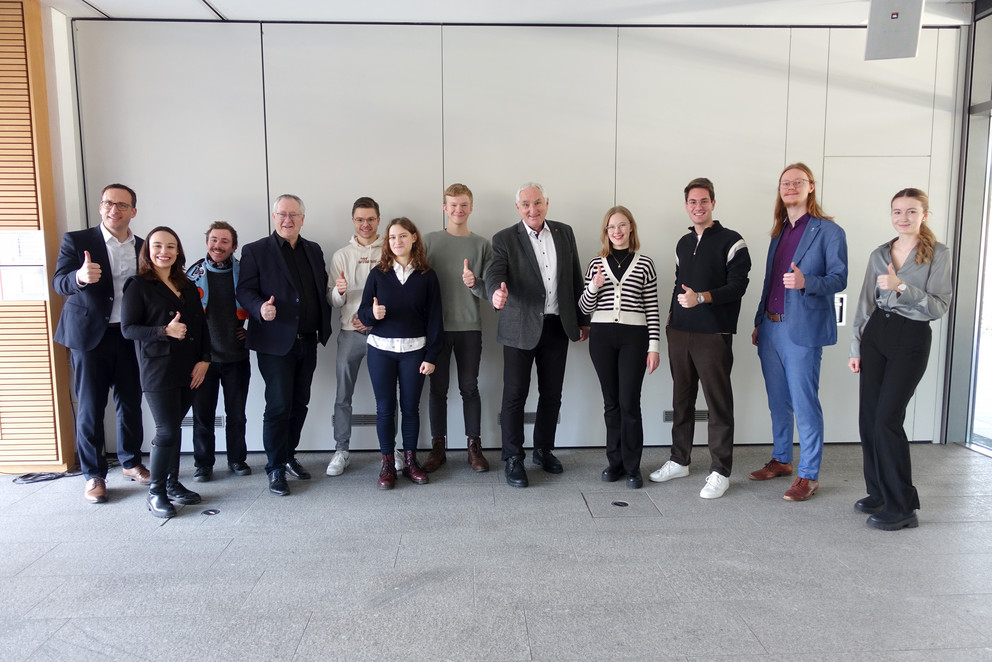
x=86, y=311
x=822, y=257
x=264, y=274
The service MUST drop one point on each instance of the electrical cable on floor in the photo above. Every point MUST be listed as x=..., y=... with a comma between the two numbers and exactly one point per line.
x=27, y=479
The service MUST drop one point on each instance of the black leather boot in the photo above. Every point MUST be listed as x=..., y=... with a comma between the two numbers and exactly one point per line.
x=158, y=469
x=175, y=490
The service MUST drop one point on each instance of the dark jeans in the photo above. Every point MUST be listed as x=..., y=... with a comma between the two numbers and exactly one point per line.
x=287, y=393
x=549, y=355
x=467, y=346
x=619, y=353
x=386, y=369
x=111, y=364
x=234, y=378
x=706, y=358
x=894, y=356
x=168, y=409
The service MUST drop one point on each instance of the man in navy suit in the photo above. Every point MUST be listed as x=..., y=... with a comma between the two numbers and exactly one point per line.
x=282, y=286
x=91, y=269
x=534, y=279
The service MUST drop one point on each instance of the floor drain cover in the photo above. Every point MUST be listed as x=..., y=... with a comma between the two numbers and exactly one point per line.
x=214, y=511
x=620, y=504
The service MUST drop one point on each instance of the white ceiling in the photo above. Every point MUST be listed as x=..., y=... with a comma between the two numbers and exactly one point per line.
x=580, y=12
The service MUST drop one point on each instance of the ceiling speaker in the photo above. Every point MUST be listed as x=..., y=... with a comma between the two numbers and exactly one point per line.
x=894, y=29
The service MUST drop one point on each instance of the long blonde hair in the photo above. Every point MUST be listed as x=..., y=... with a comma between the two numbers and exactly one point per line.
x=924, y=249
x=634, y=244
x=812, y=206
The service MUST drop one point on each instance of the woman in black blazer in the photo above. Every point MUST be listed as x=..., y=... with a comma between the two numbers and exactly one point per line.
x=161, y=311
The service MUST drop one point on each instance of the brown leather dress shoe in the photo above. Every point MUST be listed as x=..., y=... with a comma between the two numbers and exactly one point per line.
x=773, y=469
x=96, y=490
x=139, y=473
x=801, y=490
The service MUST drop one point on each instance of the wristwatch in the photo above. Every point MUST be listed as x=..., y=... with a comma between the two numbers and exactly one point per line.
x=699, y=298
x=901, y=287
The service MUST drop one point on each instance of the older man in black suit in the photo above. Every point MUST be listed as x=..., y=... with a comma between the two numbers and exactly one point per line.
x=90, y=272
x=534, y=280
x=282, y=285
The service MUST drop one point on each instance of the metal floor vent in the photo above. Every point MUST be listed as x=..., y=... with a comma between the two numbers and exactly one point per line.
x=219, y=421
x=530, y=417
x=701, y=415
x=360, y=420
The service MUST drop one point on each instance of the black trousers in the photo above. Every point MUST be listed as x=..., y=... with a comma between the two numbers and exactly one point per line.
x=619, y=354
x=706, y=358
x=287, y=394
x=111, y=364
x=894, y=355
x=467, y=346
x=168, y=409
x=233, y=378
x=549, y=355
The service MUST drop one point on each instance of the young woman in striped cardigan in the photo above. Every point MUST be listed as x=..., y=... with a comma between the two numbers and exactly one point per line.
x=621, y=295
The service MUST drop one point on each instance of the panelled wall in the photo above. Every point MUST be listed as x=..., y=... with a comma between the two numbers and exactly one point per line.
x=211, y=121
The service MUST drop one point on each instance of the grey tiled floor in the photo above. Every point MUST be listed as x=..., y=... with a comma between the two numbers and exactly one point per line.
x=466, y=568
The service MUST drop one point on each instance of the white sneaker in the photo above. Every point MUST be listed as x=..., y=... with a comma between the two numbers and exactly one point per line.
x=398, y=461
x=716, y=486
x=338, y=463
x=668, y=471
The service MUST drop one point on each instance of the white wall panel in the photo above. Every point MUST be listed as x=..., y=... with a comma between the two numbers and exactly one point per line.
x=187, y=137
x=352, y=111
x=807, y=110
x=879, y=107
x=703, y=102
x=533, y=104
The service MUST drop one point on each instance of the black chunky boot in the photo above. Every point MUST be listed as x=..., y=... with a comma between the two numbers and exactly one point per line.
x=173, y=488
x=158, y=468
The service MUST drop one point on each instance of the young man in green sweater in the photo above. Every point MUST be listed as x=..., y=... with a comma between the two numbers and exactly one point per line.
x=460, y=259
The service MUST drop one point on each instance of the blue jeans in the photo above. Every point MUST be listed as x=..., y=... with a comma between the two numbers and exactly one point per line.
x=386, y=369
x=792, y=381
x=233, y=378
x=287, y=394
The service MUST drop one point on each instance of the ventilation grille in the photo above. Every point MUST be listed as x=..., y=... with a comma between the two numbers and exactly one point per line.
x=701, y=415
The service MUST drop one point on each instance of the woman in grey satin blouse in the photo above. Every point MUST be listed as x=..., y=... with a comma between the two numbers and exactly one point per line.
x=907, y=285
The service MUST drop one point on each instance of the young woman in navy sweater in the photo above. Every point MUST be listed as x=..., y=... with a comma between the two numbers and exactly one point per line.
x=402, y=305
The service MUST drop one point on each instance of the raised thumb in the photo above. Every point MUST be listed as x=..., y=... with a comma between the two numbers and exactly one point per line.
x=502, y=286
x=342, y=274
x=793, y=267
x=86, y=257
x=272, y=300
x=684, y=288
x=375, y=301
x=176, y=318
x=466, y=264
x=892, y=272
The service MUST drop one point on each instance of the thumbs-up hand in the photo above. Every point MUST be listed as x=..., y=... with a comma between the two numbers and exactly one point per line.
x=889, y=281
x=341, y=283
x=688, y=298
x=467, y=276
x=175, y=328
x=90, y=271
x=500, y=296
x=794, y=280
x=599, y=279
x=268, y=309
x=378, y=312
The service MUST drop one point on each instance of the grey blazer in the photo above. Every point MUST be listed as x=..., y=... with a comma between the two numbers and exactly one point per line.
x=513, y=262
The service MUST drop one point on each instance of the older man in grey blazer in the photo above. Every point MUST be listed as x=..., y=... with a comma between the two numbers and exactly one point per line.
x=534, y=280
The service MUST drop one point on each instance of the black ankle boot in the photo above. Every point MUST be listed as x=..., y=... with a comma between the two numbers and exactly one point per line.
x=158, y=468
x=175, y=490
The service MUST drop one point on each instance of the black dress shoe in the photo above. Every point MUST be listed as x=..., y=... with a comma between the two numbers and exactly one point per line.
x=516, y=475
x=612, y=474
x=296, y=469
x=277, y=483
x=887, y=521
x=547, y=460
x=202, y=474
x=869, y=505
x=239, y=468
x=634, y=481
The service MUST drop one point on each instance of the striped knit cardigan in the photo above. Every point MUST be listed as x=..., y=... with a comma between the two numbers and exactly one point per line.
x=632, y=300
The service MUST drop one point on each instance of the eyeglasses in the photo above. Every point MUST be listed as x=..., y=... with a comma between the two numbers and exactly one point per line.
x=107, y=205
x=619, y=227
x=282, y=215
x=795, y=183
x=362, y=221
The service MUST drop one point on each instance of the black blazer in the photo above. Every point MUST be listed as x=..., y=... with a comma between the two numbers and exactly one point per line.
x=264, y=274
x=86, y=311
x=149, y=305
